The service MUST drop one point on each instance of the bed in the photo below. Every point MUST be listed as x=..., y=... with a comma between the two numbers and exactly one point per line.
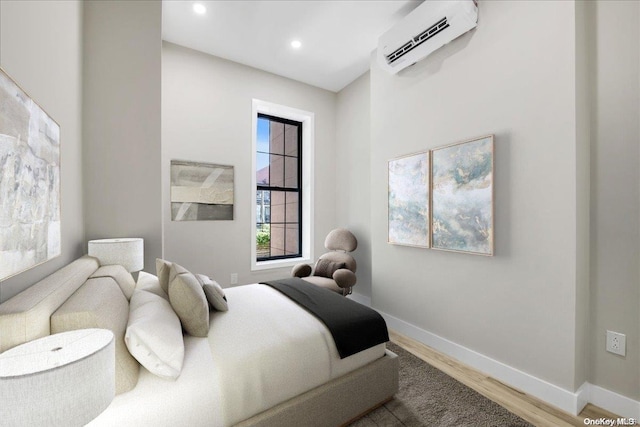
x=266, y=361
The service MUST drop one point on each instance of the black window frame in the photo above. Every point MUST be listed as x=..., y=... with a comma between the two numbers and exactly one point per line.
x=297, y=190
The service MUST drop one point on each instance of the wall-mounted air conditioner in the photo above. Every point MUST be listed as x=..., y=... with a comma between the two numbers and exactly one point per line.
x=427, y=28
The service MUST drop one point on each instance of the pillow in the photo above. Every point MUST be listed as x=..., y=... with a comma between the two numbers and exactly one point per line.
x=149, y=282
x=326, y=268
x=154, y=335
x=162, y=270
x=214, y=293
x=188, y=301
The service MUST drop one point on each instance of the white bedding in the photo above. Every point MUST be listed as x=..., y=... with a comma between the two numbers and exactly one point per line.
x=265, y=350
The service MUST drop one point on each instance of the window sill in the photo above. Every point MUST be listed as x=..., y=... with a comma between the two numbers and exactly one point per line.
x=278, y=263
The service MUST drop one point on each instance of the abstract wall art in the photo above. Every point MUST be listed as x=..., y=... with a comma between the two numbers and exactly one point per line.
x=409, y=200
x=201, y=191
x=29, y=181
x=462, y=197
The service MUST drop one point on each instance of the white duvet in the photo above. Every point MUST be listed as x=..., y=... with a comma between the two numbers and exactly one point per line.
x=263, y=351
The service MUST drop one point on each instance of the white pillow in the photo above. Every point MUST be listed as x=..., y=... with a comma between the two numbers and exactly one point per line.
x=214, y=292
x=154, y=335
x=150, y=283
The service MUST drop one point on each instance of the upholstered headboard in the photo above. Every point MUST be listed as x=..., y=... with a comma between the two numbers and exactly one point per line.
x=78, y=296
x=27, y=315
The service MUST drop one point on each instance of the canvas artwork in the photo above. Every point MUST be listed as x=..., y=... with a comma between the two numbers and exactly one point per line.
x=462, y=197
x=29, y=182
x=409, y=200
x=201, y=191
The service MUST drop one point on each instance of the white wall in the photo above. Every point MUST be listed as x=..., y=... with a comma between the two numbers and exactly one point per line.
x=41, y=48
x=513, y=80
x=353, y=187
x=122, y=68
x=583, y=183
x=615, y=197
x=206, y=116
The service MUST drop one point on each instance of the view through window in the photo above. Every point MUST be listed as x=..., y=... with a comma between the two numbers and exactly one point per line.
x=278, y=188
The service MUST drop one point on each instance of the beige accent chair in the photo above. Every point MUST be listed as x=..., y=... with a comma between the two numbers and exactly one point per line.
x=334, y=270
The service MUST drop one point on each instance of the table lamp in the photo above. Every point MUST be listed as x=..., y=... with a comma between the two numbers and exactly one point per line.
x=127, y=252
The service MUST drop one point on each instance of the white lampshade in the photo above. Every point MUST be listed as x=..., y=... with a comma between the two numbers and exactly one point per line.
x=65, y=379
x=128, y=253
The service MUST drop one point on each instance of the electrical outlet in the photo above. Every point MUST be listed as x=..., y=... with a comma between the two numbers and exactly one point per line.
x=234, y=278
x=616, y=343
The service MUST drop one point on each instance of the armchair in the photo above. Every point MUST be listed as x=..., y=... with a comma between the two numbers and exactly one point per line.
x=334, y=270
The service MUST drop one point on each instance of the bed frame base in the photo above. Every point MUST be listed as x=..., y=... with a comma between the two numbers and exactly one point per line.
x=337, y=402
x=354, y=419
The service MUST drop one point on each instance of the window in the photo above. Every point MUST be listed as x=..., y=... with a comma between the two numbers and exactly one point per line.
x=282, y=186
x=278, y=190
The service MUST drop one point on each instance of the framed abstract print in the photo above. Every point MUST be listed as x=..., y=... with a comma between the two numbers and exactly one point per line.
x=201, y=191
x=29, y=181
x=409, y=200
x=462, y=197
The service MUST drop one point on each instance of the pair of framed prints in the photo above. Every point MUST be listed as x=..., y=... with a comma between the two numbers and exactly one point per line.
x=443, y=198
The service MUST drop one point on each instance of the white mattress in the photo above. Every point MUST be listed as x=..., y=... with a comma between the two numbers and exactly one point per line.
x=265, y=350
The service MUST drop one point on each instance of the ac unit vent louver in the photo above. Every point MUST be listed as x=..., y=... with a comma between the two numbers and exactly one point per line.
x=436, y=23
x=418, y=40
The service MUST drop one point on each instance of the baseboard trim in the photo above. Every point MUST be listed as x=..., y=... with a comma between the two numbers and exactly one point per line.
x=362, y=299
x=565, y=400
x=571, y=402
x=613, y=402
x=582, y=395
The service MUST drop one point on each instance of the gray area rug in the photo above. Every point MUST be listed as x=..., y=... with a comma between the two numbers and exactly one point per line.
x=429, y=397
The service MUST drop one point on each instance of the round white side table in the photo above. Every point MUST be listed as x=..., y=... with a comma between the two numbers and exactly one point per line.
x=65, y=379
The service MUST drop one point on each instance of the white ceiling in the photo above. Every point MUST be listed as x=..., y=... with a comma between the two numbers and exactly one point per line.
x=337, y=35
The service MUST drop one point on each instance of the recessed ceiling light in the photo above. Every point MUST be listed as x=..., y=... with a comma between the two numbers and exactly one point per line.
x=199, y=9
x=296, y=44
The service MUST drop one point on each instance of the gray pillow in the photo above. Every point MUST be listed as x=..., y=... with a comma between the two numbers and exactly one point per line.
x=150, y=283
x=326, y=268
x=162, y=271
x=214, y=293
x=188, y=300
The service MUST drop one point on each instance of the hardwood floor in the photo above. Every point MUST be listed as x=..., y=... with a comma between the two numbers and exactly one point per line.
x=525, y=406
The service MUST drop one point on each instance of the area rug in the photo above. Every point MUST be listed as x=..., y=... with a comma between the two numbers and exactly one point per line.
x=429, y=397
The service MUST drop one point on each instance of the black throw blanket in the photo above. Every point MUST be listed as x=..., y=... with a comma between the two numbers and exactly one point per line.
x=353, y=326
